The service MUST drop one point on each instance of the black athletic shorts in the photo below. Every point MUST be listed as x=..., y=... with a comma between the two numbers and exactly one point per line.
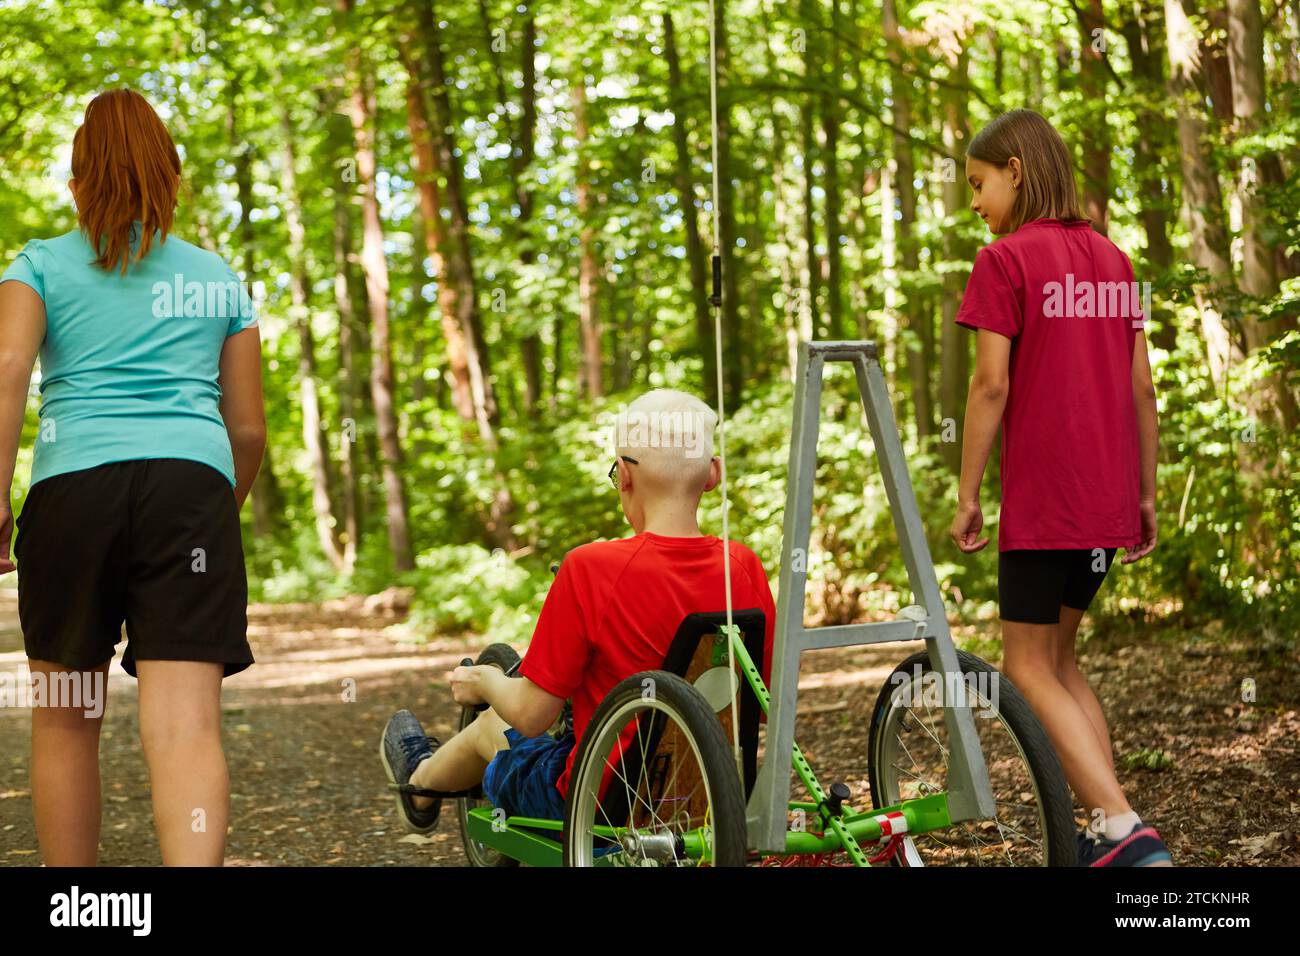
x=1033, y=586
x=153, y=543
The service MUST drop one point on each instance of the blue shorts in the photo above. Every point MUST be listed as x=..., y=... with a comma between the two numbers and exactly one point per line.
x=521, y=780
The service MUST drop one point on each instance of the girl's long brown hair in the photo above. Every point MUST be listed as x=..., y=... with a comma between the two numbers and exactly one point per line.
x=1047, y=189
x=126, y=168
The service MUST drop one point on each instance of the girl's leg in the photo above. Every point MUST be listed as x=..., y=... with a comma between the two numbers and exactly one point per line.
x=65, y=766
x=180, y=728
x=1072, y=679
x=1029, y=659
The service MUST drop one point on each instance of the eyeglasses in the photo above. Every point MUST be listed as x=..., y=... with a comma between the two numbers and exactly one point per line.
x=613, y=469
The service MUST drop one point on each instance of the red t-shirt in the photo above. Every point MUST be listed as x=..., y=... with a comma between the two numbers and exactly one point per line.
x=615, y=606
x=1066, y=298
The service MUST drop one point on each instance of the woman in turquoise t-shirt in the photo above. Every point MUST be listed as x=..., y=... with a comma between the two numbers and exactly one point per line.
x=151, y=431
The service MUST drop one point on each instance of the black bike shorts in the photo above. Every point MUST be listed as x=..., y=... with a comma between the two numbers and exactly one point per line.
x=1033, y=586
x=153, y=543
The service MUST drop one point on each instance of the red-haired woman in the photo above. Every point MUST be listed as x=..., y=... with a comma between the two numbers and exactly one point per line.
x=151, y=431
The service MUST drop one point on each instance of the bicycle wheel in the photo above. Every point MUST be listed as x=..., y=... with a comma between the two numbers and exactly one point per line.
x=655, y=764
x=908, y=758
x=503, y=656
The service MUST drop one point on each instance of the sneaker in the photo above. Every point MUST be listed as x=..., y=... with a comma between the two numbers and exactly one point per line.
x=1142, y=847
x=1085, y=842
x=402, y=747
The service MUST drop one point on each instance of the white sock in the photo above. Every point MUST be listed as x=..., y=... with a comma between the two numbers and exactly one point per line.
x=1121, y=825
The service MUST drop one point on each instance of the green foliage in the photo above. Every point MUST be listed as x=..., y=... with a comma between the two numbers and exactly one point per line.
x=227, y=79
x=468, y=588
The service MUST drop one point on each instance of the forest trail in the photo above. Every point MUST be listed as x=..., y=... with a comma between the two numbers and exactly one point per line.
x=308, y=788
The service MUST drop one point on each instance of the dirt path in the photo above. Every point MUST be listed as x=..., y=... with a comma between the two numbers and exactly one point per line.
x=308, y=788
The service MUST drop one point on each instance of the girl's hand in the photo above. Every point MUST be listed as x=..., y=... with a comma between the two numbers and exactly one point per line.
x=6, y=537
x=466, y=685
x=1148, y=512
x=966, y=527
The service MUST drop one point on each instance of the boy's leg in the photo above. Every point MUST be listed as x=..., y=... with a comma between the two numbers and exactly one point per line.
x=460, y=762
x=1068, y=673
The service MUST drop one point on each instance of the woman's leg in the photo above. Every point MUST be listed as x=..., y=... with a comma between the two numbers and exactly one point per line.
x=1029, y=659
x=65, y=766
x=180, y=728
x=1072, y=679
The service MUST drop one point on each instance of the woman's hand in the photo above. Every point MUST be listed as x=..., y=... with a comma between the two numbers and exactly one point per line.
x=966, y=527
x=467, y=684
x=1148, y=543
x=6, y=537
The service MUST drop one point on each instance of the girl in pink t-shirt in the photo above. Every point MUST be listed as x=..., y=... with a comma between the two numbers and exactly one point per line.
x=1061, y=365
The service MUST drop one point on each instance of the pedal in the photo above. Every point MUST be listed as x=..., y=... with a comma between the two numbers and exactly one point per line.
x=413, y=791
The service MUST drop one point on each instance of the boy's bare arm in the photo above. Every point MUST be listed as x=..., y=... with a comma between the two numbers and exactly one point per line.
x=517, y=700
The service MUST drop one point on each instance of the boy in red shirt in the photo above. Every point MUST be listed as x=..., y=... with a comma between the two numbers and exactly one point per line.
x=611, y=612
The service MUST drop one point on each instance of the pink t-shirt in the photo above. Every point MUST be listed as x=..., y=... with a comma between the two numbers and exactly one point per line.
x=1066, y=298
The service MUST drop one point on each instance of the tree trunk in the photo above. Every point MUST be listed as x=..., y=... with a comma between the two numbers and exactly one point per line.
x=807, y=120
x=340, y=133
x=375, y=266
x=1259, y=266
x=1096, y=145
x=593, y=385
x=1145, y=46
x=734, y=351
x=522, y=150
x=685, y=183
x=458, y=257
x=300, y=292
x=904, y=174
x=531, y=346
x=1202, y=205
x=268, y=499
x=830, y=113
x=427, y=181
x=954, y=364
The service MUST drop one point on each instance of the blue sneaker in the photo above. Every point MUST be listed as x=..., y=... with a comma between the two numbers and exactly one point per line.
x=402, y=747
x=1085, y=842
x=1142, y=847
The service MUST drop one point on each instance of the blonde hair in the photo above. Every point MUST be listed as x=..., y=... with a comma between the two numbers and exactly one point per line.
x=670, y=434
x=1047, y=189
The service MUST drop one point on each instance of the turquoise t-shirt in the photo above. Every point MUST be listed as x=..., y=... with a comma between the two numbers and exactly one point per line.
x=130, y=362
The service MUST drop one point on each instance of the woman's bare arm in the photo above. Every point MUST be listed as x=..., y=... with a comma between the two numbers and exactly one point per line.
x=242, y=407
x=22, y=329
